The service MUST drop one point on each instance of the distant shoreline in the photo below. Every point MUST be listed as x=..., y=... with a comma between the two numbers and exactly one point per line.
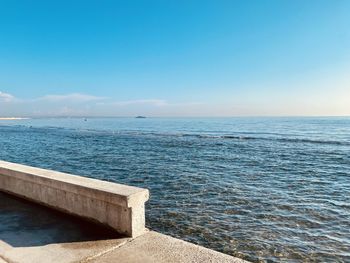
x=12, y=118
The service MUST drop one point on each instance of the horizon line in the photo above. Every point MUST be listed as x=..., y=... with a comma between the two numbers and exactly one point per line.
x=173, y=116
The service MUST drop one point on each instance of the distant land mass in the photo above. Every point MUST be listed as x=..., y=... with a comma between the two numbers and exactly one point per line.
x=13, y=118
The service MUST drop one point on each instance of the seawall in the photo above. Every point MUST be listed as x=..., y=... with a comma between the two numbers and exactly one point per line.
x=119, y=207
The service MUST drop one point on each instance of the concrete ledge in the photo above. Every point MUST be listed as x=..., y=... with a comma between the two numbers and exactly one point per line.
x=118, y=206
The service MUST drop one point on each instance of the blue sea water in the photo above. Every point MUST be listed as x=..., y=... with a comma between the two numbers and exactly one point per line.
x=263, y=189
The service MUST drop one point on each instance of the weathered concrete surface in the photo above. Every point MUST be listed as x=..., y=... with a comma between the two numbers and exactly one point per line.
x=30, y=233
x=155, y=247
x=62, y=252
x=118, y=206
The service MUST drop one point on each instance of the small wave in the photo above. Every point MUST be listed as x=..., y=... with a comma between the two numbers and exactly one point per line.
x=294, y=140
x=281, y=139
x=239, y=137
x=315, y=141
x=51, y=127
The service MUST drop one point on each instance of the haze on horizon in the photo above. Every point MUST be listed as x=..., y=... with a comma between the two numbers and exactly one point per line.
x=175, y=58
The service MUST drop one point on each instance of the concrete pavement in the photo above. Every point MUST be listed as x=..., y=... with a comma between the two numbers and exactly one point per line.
x=156, y=247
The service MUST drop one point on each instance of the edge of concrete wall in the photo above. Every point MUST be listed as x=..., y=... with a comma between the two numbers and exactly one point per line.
x=118, y=206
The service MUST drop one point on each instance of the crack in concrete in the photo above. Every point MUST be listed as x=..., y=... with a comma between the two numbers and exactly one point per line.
x=102, y=253
x=92, y=257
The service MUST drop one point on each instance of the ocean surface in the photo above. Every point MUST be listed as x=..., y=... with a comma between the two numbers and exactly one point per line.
x=263, y=189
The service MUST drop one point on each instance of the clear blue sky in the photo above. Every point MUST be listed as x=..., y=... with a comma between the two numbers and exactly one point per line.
x=175, y=58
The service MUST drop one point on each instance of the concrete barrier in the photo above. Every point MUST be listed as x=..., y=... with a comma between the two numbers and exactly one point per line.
x=118, y=206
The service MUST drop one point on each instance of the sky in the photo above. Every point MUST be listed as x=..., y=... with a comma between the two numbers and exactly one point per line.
x=175, y=58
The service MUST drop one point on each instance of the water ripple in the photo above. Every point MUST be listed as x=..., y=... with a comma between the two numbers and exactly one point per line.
x=249, y=192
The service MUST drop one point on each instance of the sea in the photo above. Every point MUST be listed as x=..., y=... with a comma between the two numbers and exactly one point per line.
x=262, y=189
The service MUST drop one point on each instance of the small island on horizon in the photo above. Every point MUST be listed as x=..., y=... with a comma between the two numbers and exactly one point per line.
x=140, y=117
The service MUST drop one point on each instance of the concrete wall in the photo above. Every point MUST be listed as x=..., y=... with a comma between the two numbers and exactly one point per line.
x=118, y=206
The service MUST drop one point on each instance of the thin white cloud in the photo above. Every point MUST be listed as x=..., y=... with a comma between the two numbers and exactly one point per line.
x=77, y=104
x=6, y=97
x=152, y=102
x=73, y=97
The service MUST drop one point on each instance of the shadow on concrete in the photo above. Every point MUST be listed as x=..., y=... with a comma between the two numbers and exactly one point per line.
x=26, y=224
